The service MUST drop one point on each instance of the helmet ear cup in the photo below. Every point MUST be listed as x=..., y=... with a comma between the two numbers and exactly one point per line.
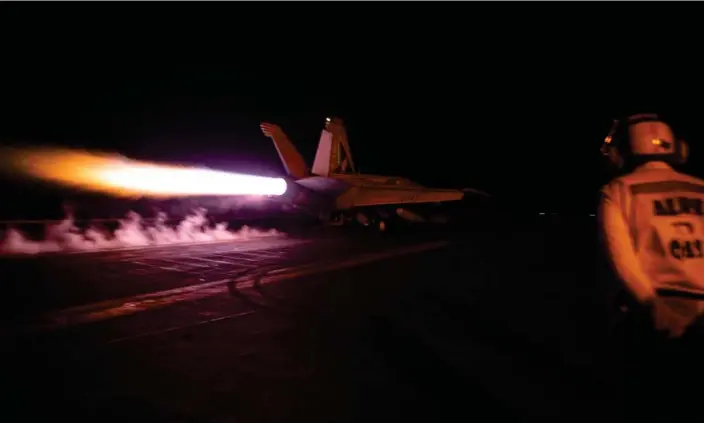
x=613, y=155
x=608, y=150
x=681, y=152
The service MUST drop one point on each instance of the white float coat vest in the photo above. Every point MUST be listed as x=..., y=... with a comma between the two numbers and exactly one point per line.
x=653, y=227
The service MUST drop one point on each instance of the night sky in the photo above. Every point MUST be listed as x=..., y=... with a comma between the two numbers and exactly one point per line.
x=521, y=116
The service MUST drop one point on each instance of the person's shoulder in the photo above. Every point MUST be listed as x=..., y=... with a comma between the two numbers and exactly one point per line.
x=690, y=178
x=614, y=185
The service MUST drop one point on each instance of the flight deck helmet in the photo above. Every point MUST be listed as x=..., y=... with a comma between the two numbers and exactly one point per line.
x=641, y=138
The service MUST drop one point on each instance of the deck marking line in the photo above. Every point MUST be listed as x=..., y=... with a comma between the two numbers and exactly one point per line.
x=131, y=305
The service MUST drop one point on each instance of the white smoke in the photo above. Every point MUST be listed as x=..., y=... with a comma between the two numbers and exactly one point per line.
x=132, y=231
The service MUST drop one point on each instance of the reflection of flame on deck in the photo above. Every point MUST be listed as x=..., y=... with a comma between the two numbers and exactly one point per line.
x=118, y=175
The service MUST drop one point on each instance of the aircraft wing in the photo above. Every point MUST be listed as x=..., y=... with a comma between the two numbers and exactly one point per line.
x=364, y=196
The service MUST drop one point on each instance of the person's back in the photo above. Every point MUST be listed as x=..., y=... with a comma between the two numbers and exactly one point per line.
x=664, y=212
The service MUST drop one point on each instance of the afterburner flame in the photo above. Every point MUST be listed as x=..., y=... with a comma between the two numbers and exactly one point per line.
x=114, y=174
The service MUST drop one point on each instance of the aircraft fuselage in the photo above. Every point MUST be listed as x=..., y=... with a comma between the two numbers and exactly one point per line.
x=332, y=186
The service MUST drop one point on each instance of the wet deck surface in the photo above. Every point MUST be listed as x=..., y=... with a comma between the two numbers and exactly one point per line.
x=453, y=332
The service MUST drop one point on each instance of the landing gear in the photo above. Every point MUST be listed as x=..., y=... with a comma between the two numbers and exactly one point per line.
x=374, y=221
x=356, y=220
x=338, y=221
x=381, y=226
x=329, y=219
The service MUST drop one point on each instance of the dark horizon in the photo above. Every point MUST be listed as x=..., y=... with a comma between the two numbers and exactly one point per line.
x=529, y=134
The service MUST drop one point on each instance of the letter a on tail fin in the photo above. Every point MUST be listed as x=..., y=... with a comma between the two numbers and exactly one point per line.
x=290, y=157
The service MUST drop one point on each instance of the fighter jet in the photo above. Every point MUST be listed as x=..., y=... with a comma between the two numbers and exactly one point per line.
x=337, y=193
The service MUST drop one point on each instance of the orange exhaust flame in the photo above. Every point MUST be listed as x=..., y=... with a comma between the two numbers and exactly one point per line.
x=118, y=175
